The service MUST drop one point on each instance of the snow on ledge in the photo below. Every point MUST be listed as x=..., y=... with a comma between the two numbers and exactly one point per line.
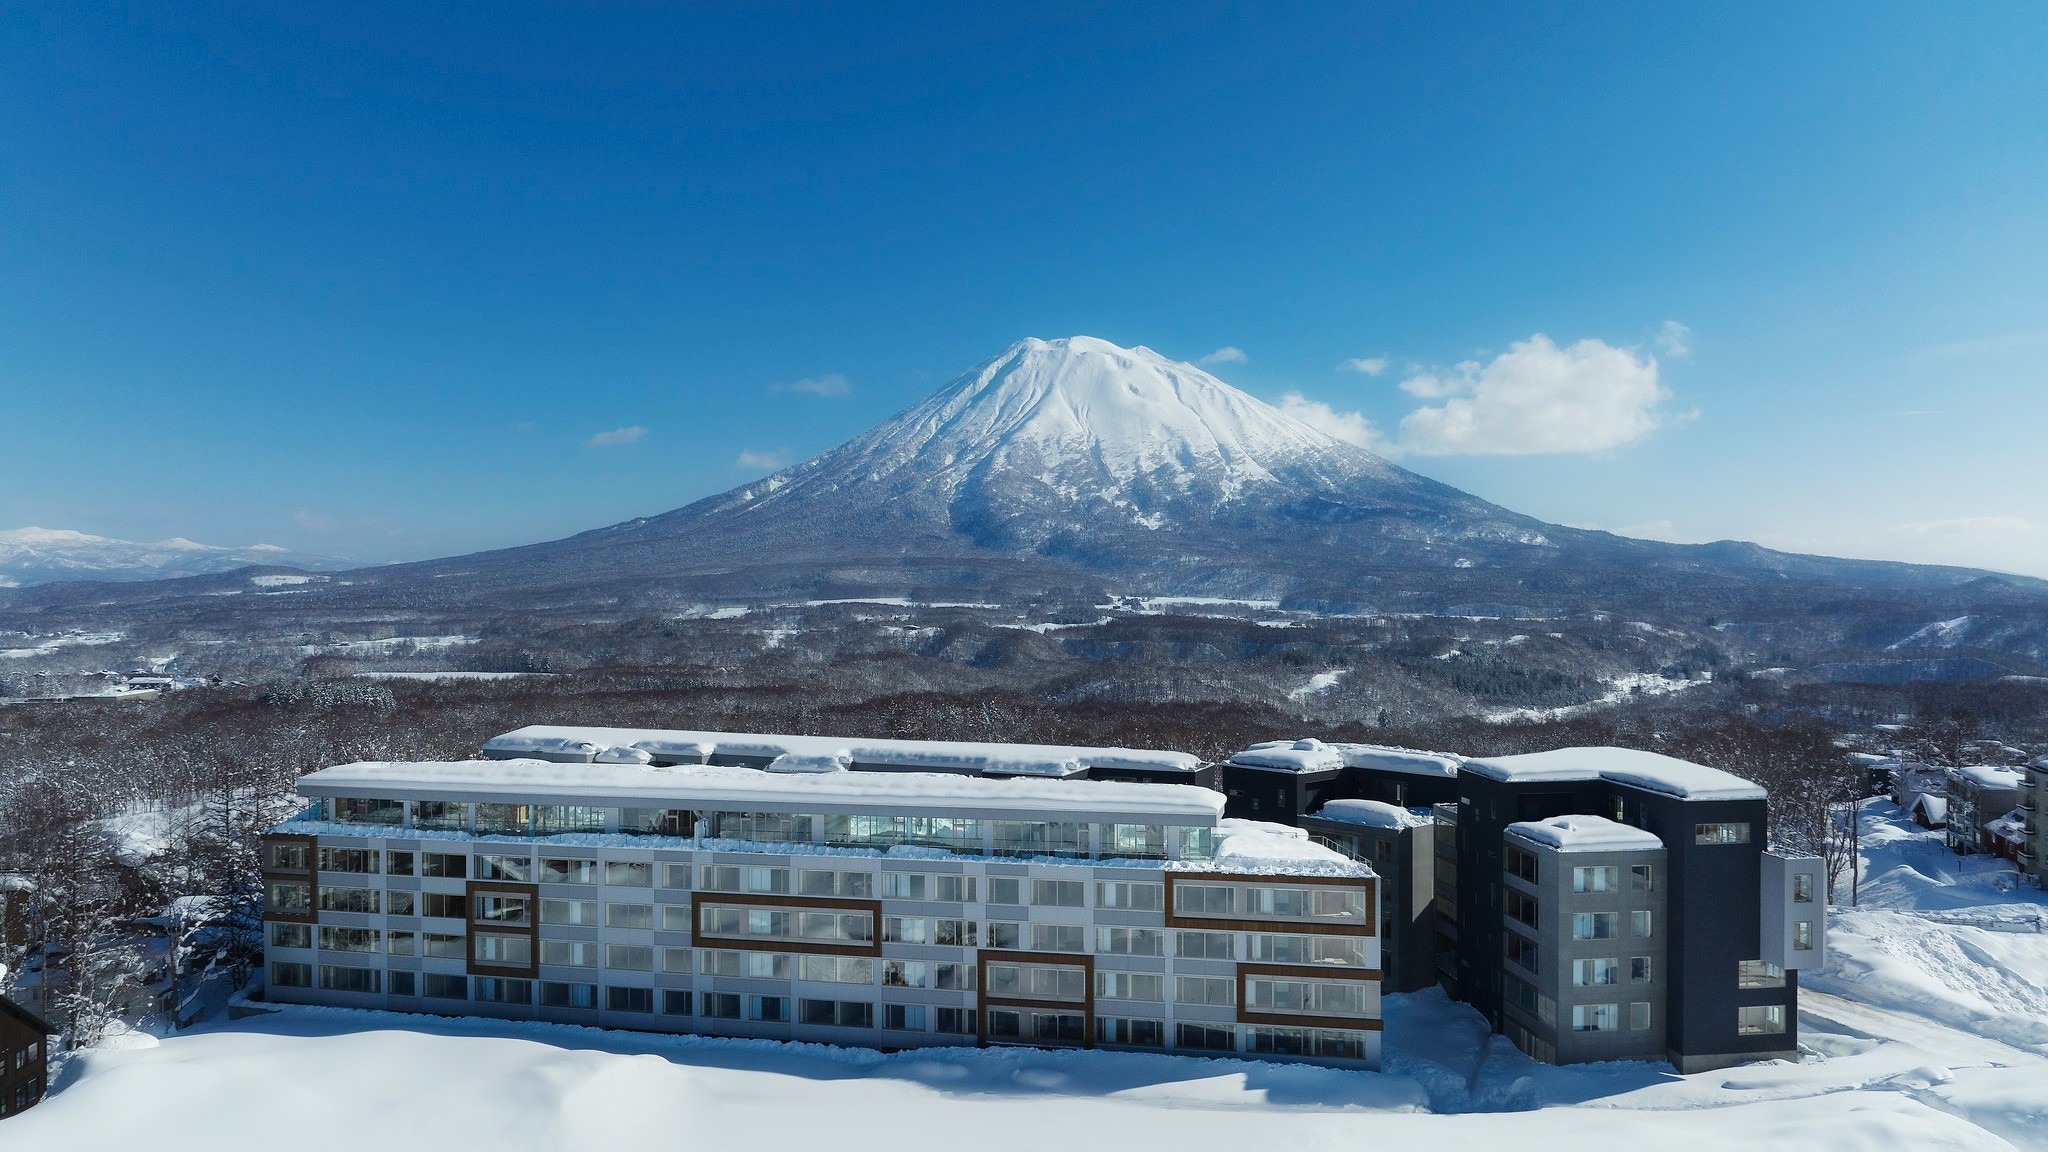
x=958, y=755
x=1651, y=771
x=1584, y=834
x=1313, y=755
x=1371, y=814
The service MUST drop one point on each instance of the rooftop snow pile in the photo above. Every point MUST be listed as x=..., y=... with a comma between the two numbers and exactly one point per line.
x=583, y=744
x=1651, y=771
x=1988, y=776
x=1584, y=834
x=1256, y=846
x=1371, y=814
x=707, y=787
x=1316, y=756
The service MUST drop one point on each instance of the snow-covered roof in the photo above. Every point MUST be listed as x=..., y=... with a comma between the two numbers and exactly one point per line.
x=989, y=758
x=1584, y=834
x=1371, y=814
x=1256, y=846
x=1988, y=776
x=1650, y=771
x=1313, y=755
x=2011, y=827
x=707, y=787
x=1935, y=808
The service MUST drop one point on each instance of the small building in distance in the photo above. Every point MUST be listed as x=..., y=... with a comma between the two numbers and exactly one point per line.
x=24, y=1057
x=1977, y=795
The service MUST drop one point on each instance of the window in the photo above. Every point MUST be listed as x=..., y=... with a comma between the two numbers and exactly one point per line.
x=282, y=854
x=290, y=975
x=403, y=983
x=904, y=1017
x=1137, y=897
x=953, y=1021
x=497, y=990
x=676, y=960
x=582, y=912
x=1521, y=906
x=444, y=986
x=557, y=819
x=906, y=930
x=1603, y=878
x=675, y=917
x=336, y=978
x=349, y=899
x=675, y=876
x=719, y=878
x=445, y=866
x=446, y=905
x=1642, y=877
x=1521, y=994
x=350, y=939
x=1204, y=990
x=1521, y=863
x=1130, y=986
x=955, y=933
x=836, y=969
x=1005, y=890
x=1205, y=1037
x=1639, y=923
x=1759, y=1019
x=836, y=1013
x=1759, y=974
x=1130, y=941
x=905, y=974
x=1204, y=946
x=1022, y=1025
x=768, y=1009
x=494, y=908
x=518, y=869
x=1802, y=935
x=557, y=995
x=441, y=816
x=398, y=903
x=361, y=810
x=499, y=949
x=288, y=897
x=1059, y=938
x=443, y=946
x=655, y=821
x=1131, y=1033
x=569, y=953
x=555, y=870
x=1639, y=1016
x=1720, y=833
x=291, y=935
x=1802, y=887
x=845, y=885
x=953, y=889
x=504, y=820
x=903, y=885
x=1059, y=893
x=1586, y=973
x=1315, y=997
x=675, y=1002
x=1593, y=925
x=722, y=1005
x=629, y=874
x=1036, y=981
x=1204, y=899
x=1338, y=950
x=1520, y=950
x=954, y=977
x=1133, y=841
x=348, y=860
x=618, y=999
x=629, y=957
x=399, y=863
x=766, y=827
x=1596, y=1018
x=1639, y=970
x=1036, y=838
x=1003, y=934
x=633, y=916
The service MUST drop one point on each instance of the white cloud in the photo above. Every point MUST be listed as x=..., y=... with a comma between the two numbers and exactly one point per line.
x=616, y=437
x=1537, y=398
x=1370, y=365
x=1225, y=355
x=1351, y=427
x=772, y=461
x=1674, y=340
x=830, y=384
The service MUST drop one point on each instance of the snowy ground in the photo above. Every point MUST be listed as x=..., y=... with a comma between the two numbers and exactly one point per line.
x=1928, y=1030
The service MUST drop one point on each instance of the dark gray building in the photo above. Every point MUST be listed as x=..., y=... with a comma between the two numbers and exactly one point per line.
x=1400, y=844
x=1283, y=780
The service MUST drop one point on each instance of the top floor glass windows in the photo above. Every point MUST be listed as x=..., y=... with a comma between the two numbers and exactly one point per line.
x=764, y=827
x=1037, y=838
x=556, y=819
x=365, y=810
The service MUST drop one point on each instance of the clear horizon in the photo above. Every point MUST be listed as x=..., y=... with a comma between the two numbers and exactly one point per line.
x=393, y=285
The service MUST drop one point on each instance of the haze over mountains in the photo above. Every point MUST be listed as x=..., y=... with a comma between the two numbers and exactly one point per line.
x=42, y=555
x=1060, y=474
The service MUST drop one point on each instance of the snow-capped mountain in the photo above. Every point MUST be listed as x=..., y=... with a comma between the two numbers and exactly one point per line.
x=42, y=555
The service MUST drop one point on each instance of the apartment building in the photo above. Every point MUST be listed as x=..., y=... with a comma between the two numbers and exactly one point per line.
x=2033, y=800
x=1400, y=845
x=24, y=1057
x=1285, y=779
x=632, y=886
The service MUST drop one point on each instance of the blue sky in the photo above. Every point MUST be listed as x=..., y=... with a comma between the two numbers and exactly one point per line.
x=374, y=281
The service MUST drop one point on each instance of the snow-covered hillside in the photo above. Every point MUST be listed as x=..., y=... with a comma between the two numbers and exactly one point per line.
x=39, y=555
x=1927, y=1031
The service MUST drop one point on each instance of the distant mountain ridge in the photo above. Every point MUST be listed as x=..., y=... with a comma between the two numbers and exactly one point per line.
x=42, y=555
